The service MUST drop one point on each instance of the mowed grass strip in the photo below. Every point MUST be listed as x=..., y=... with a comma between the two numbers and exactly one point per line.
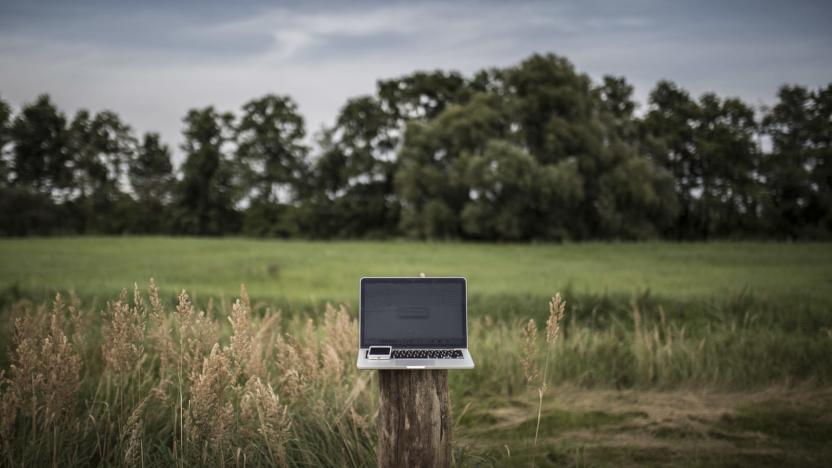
x=302, y=272
x=777, y=427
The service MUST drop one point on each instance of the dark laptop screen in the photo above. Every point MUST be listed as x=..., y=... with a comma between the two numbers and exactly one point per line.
x=413, y=312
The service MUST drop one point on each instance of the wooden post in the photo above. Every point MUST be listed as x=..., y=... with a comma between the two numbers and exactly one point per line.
x=414, y=418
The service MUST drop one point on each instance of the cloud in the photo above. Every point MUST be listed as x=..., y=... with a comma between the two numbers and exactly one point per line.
x=151, y=62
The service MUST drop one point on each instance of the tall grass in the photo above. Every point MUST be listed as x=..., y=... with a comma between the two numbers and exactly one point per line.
x=146, y=385
x=742, y=342
x=147, y=382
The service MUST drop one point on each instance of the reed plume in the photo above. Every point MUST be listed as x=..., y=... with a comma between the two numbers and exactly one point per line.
x=210, y=414
x=528, y=358
x=557, y=310
x=44, y=379
x=260, y=408
x=124, y=333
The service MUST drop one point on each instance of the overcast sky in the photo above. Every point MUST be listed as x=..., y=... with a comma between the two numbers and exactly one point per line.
x=151, y=61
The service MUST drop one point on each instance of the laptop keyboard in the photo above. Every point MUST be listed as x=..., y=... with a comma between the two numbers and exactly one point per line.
x=426, y=354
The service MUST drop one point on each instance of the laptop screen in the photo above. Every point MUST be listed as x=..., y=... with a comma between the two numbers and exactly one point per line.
x=413, y=312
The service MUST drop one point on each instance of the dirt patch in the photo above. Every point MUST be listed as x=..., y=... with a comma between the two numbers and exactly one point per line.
x=771, y=427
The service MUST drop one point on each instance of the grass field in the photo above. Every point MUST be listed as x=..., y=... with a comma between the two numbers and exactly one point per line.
x=670, y=354
x=301, y=271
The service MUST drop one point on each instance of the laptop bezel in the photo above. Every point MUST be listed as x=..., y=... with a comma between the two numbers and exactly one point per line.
x=361, y=344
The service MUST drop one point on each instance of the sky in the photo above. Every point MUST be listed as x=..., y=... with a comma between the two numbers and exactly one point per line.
x=151, y=61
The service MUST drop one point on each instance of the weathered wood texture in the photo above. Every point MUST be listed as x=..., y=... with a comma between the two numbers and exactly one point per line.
x=414, y=418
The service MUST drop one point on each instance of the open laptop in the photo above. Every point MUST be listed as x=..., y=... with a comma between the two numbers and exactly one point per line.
x=413, y=323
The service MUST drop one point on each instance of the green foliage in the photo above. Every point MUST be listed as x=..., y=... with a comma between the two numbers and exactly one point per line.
x=354, y=194
x=206, y=194
x=799, y=170
x=552, y=103
x=709, y=148
x=421, y=95
x=503, y=181
x=151, y=177
x=636, y=200
x=270, y=148
x=25, y=212
x=430, y=179
x=40, y=156
x=151, y=170
x=102, y=147
x=5, y=139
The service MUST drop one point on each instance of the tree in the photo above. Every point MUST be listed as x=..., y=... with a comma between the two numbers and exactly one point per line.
x=40, y=171
x=40, y=156
x=151, y=177
x=421, y=95
x=616, y=96
x=709, y=148
x=5, y=139
x=668, y=134
x=430, y=178
x=559, y=195
x=797, y=171
x=272, y=159
x=206, y=195
x=355, y=172
x=151, y=170
x=822, y=158
x=728, y=162
x=551, y=104
x=101, y=148
x=636, y=199
x=270, y=146
x=502, y=182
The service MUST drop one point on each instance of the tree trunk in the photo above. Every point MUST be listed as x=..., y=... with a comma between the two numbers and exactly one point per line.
x=414, y=418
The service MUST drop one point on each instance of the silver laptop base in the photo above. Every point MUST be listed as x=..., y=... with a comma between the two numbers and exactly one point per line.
x=415, y=364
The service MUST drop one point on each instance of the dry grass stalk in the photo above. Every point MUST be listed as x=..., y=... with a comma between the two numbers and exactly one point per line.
x=268, y=329
x=8, y=412
x=241, y=339
x=247, y=348
x=45, y=372
x=309, y=351
x=292, y=374
x=260, y=408
x=528, y=359
x=160, y=332
x=557, y=309
x=340, y=330
x=340, y=338
x=333, y=365
x=124, y=336
x=156, y=305
x=132, y=431
x=210, y=415
x=197, y=335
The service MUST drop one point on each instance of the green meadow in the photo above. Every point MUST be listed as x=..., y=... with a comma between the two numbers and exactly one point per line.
x=304, y=271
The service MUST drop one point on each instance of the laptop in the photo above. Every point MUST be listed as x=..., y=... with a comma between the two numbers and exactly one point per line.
x=413, y=323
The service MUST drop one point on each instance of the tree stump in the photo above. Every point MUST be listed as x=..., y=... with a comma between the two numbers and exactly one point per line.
x=414, y=418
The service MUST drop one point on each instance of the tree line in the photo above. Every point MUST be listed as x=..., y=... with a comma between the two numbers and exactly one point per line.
x=535, y=151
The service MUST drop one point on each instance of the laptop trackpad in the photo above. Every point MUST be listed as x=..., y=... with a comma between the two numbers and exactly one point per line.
x=415, y=363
